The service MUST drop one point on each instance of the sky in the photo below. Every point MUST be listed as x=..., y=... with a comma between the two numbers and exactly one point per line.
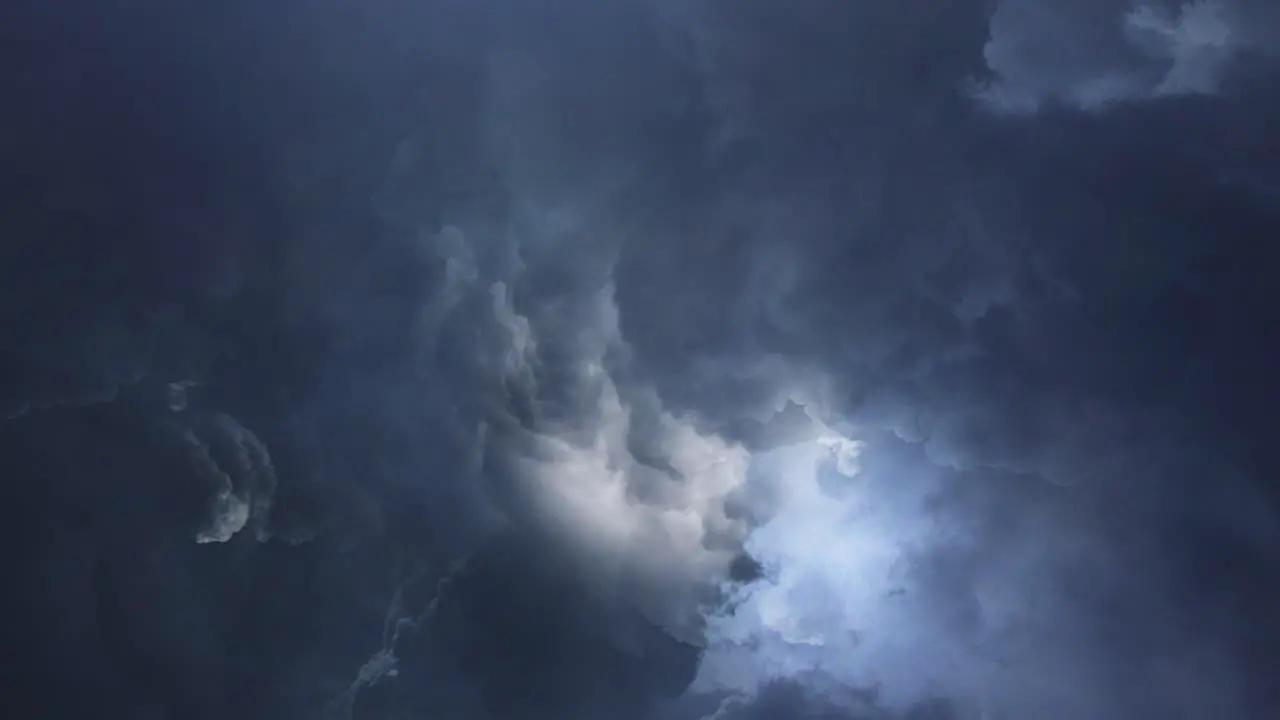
x=641, y=359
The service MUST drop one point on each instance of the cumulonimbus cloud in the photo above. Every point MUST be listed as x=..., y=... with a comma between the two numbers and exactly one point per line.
x=658, y=290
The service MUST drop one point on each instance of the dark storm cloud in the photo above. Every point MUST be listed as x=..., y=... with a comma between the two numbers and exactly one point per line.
x=640, y=287
x=1002, y=298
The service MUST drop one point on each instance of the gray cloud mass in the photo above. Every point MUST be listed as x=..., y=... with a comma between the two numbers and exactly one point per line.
x=654, y=360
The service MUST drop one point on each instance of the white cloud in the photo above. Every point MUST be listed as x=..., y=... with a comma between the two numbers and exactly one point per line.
x=240, y=473
x=1092, y=55
x=827, y=604
x=640, y=525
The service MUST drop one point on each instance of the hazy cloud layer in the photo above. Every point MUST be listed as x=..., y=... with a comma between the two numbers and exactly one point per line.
x=756, y=366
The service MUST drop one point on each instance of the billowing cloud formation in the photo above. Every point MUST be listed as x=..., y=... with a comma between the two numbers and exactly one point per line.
x=747, y=354
x=579, y=452
x=1094, y=54
x=237, y=466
